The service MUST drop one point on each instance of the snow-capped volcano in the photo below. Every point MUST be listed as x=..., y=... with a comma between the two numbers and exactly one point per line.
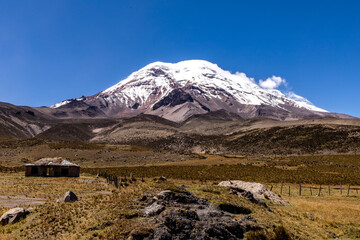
x=177, y=91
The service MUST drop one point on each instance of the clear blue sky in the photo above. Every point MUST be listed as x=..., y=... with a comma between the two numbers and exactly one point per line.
x=58, y=49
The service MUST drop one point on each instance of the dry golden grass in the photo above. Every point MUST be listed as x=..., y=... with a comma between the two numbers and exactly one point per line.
x=99, y=203
x=97, y=214
x=333, y=215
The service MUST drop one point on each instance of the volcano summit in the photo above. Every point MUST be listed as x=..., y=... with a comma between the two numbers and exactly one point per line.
x=177, y=91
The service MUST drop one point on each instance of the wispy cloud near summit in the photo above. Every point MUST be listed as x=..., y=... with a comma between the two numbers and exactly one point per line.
x=272, y=82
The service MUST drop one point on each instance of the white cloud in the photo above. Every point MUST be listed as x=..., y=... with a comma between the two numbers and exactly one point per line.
x=243, y=76
x=272, y=83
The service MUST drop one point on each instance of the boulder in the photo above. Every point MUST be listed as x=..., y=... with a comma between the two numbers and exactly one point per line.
x=162, y=178
x=153, y=209
x=70, y=197
x=257, y=190
x=29, y=210
x=13, y=215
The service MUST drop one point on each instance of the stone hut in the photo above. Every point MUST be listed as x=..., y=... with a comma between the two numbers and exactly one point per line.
x=52, y=167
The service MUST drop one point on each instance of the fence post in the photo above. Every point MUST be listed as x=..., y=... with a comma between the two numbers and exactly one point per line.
x=348, y=189
x=289, y=190
x=271, y=187
x=340, y=188
x=281, y=186
x=329, y=190
x=300, y=189
x=319, y=190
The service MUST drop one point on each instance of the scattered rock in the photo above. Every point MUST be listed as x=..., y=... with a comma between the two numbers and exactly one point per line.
x=70, y=197
x=311, y=216
x=106, y=224
x=58, y=200
x=129, y=216
x=259, y=191
x=162, y=178
x=13, y=215
x=140, y=235
x=143, y=198
x=92, y=229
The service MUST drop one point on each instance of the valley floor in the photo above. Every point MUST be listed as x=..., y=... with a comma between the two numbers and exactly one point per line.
x=105, y=212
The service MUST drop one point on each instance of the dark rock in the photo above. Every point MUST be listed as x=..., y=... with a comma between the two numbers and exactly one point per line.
x=162, y=178
x=234, y=209
x=135, y=106
x=185, y=216
x=181, y=197
x=106, y=224
x=70, y=197
x=129, y=216
x=174, y=98
x=92, y=229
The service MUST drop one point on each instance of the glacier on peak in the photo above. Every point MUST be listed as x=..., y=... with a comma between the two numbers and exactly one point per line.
x=200, y=73
x=145, y=87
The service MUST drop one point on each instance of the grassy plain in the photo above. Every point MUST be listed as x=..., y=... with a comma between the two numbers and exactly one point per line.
x=105, y=212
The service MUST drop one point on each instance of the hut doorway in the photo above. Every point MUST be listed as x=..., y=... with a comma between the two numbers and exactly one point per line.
x=34, y=171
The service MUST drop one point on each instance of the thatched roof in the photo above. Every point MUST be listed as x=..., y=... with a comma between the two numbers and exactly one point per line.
x=53, y=162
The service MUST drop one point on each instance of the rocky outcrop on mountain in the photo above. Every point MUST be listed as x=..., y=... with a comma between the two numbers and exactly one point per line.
x=22, y=122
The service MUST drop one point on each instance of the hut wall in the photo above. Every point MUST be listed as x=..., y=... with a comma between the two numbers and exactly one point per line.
x=42, y=171
x=57, y=171
x=28, y=171
x=74, y=171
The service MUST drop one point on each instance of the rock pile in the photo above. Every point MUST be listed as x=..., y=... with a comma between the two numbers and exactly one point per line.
x=181, y=215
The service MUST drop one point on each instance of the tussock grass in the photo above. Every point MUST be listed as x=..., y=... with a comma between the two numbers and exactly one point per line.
x=265, y=171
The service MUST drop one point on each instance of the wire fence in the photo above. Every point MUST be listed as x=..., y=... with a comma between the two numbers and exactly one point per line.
x=314, y=190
